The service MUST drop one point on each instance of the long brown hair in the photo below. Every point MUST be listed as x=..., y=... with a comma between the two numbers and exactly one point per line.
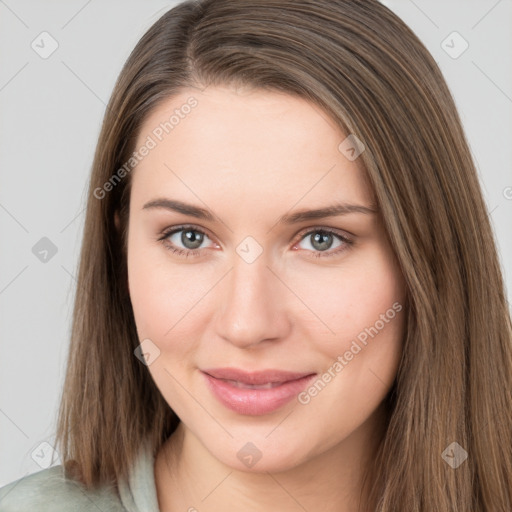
x=371, y=74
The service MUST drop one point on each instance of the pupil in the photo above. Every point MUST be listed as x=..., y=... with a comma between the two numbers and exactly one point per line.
x=322, y=241
x=192, y=237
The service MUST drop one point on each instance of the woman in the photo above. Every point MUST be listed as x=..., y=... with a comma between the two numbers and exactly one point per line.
x=289, y=296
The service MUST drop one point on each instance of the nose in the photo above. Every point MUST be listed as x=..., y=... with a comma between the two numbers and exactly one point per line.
x=252, y=305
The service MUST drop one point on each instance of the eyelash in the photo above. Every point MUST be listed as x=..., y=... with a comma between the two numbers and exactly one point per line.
x=196, y=252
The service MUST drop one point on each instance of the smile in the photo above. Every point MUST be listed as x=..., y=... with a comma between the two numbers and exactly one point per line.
x=255, y=393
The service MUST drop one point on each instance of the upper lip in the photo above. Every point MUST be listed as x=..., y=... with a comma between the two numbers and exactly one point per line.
x=257, y=377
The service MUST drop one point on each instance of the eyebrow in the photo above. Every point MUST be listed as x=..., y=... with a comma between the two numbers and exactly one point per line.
x=289, y=218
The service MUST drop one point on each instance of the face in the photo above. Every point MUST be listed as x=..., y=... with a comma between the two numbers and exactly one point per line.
x=272, y=335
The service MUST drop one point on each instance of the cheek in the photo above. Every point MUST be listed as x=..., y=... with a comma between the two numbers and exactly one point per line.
x=153, y=299
x=361, y=363
x=164, y=295
x=369, y=331
x=347, y=299
x=374, y=320
x=362, y=303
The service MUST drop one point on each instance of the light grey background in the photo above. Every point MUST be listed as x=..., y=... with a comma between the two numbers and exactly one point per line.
x=50, y=115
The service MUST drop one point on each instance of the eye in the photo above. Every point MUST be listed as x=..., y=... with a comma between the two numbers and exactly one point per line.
x=188, y=236
x=321, y=240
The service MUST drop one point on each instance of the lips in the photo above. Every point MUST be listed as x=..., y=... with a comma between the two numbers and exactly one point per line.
x=255, y=393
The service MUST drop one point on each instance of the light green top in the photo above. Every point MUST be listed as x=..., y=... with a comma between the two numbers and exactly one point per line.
x=49, y=491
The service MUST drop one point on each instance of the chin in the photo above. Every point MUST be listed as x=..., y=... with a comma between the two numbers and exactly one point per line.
x=259, y=456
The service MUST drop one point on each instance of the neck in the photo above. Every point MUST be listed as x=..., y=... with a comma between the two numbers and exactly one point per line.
x=189, y=478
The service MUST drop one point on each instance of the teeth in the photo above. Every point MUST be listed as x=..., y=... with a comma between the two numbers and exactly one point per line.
x=268, y=385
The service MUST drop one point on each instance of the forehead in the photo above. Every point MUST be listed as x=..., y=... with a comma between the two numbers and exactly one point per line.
x=271, y=145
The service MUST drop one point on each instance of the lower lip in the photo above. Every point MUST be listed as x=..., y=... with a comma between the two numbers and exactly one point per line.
x=255, y=402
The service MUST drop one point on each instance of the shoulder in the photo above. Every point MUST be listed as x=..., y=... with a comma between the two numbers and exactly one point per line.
x=49, y=490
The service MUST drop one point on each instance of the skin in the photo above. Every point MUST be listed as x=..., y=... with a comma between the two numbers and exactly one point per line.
x=249, y=157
